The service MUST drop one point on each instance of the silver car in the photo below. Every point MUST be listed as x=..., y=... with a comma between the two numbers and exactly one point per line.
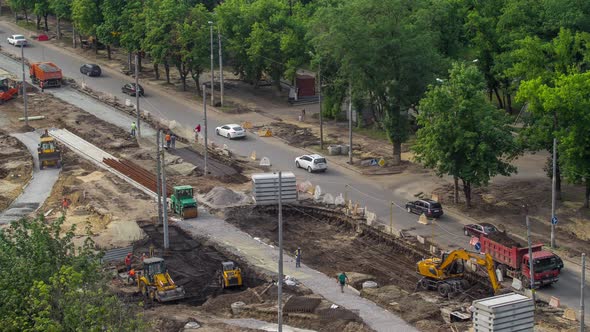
x=312, y=163
x=231, y=131
x=17, y=40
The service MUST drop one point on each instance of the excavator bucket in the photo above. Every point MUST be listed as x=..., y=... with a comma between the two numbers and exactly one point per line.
x=190, y=212
x=171, y=295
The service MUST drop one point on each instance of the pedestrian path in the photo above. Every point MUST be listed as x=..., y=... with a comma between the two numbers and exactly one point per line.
x=38, y=188
x=256, y=324
x=265, y=257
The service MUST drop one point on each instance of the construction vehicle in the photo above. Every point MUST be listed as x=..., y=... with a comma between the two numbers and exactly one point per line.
x=8, y=87
x=231, y=275
x=183, y=203
x=447, y=273
x=45, y=74
x=155, y=282
x=512, y=260
x=48, y=152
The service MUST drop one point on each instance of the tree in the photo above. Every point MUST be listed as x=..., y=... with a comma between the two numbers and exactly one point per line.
x=194, y=41
x=133, y=28
x=462, y=134
x=62, y=9
x=383, y=51
x=87, y=17
x=42, y=10
x=49, y=284
x=109, y=30
x=21, y=5
x=567, y=98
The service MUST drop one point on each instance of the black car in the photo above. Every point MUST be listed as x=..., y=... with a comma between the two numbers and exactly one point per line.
x=129, y=89
x=90, y=69
x=430, y=208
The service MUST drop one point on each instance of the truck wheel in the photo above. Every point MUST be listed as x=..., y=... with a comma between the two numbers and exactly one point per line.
x=444, y=290
x=423, y=284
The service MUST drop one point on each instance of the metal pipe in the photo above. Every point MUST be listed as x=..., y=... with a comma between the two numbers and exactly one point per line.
x=220, y=67
x=22, y=60
x=553, y=186
x=164, y=200
x=280, y=285
x=531, y=260
x=137, y=94
x=159, y=177
x=320, y=101
x=350, y=124
x=212, y=72
x=205, y=125
x=582, y=285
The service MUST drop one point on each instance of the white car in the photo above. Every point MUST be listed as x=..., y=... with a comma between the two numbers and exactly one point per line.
x=312, y=163
x=231, y=131
x=17, y=40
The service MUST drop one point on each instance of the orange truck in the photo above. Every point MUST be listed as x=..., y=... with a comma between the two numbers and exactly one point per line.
x=46, y=73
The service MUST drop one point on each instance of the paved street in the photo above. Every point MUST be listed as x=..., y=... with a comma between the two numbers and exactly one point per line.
x=369, y=192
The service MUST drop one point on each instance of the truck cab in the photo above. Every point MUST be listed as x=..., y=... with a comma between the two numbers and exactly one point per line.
x=546, y=265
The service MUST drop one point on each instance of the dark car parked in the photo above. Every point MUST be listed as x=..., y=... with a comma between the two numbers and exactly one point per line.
x=430, y=208
x=483, y=228
x=129, y=89
x=90, y=69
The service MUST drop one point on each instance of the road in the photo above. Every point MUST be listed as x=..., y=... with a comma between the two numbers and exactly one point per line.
x=368, y=192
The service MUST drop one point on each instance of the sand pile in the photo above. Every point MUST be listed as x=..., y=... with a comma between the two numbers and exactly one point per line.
x=222, y=197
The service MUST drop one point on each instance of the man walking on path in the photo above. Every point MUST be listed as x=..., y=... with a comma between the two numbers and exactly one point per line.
x=342, y=279
x=42, y=86
x=173, y=140
x=167, y=139
x=298, y=257
x=197, y=131
x=133, y=128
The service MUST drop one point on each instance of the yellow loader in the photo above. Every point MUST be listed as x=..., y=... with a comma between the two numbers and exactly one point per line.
x=156, y=284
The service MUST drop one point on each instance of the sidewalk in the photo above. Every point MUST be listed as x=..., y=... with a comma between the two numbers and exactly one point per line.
x=266, y=257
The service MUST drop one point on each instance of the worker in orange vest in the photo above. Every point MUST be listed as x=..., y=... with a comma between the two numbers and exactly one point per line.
x=42, y=85
x=65, y=203
x=168, y=140
x=131, y=276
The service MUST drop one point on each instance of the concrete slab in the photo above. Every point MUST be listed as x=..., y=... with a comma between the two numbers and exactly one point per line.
x=266, y=257
x=37, y=190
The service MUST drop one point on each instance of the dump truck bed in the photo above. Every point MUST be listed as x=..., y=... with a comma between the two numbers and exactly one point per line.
x=45, y=71
x=507, y=255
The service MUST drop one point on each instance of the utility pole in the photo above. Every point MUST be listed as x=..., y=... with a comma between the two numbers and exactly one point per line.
x=164, y=197
x=553, y=186
x=220, y=68
x=205, y=124
x=159, y=177
x=320, y=101
x=582, y=285
x=532, y=272
x=212, y=72
x=280, y=286
x=137, y=94
x=74, y=36
x=22, y=59
x=350, y=124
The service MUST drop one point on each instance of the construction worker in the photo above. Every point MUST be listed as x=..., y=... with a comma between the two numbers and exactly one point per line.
x=342, y=279
x=131, y=276
x=133, y=128
x=128, y=259
x=42, y=85
x=173, y=140
x=65, y=203
x=143, y=257
x=168, y=139
x=197, y=131
x=45, y=134
x=298, y=257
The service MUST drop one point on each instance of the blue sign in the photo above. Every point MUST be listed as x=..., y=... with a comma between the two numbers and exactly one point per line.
x=554, y=220
x=373, y=162
x=478, y=246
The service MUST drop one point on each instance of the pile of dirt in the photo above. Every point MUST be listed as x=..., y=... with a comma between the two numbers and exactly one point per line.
x=224, y=197
x=293, y=134
x=15, y=169
x=504, y=239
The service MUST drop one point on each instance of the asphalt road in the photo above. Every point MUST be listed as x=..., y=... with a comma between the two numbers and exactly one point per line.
x=368, y=192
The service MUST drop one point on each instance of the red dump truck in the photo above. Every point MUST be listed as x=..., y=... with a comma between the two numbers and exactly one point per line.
x=45, y=73
x=512, y=259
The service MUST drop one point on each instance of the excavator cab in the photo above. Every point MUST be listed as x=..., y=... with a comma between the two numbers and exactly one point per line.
x=48, y=152
x=156, y=284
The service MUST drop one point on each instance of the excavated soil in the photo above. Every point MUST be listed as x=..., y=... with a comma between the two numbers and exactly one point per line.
x=16, y=167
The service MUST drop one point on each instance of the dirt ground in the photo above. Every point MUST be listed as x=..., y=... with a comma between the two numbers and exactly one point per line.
x=501, y=204
x=15, y=169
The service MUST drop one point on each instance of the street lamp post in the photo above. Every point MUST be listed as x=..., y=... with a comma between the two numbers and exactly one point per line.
x=22, y=58
x=205, y=124
x=320, y=100
x=212, y=72
x=220, y=68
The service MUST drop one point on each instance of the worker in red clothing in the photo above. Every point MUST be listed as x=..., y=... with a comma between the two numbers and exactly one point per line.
x=131, y=276
x=168, y=140
x=65, y=203
x=128, y=259
x=197, y=131
x=42, y=85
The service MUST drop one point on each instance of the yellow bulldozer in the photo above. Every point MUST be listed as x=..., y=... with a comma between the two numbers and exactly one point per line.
x=48, y=152
x=155, y=282
x=231, y=275
x=446, y=274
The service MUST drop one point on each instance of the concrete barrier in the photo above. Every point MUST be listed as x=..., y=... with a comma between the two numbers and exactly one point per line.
x=420, y=239
x=371, y=217
x=328, y=199
x=265, y=162
x=339, y=200
x=317, y=193
x=304, y=186
x=423, y=220
x=253, y=155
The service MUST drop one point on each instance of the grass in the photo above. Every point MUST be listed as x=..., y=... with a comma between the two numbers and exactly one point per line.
x=371, y=133
x=27, y=25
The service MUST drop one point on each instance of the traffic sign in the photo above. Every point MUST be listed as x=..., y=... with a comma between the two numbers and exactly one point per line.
x=477, y=246
x=554, y=220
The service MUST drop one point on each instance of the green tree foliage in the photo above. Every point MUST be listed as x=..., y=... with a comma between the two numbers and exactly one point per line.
x=194, y=41
x=86, y=16
x=42, y=10
x=49, y=284
x=109, y=30
x=62, y=10
x=24, y=6
x=383, y=51
x=568, y=99
x=462, y=134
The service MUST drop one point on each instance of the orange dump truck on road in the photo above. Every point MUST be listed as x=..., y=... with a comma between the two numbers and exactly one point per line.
x=45, y=72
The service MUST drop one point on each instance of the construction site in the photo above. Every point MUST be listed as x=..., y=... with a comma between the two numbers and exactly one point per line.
x=220, y=266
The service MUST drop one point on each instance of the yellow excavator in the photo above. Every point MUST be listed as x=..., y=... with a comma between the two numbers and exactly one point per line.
x=156, y=284
x=446, y=274
x=231, y=275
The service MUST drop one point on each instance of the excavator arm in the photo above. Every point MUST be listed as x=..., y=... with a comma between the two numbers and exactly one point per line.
x=481, y=260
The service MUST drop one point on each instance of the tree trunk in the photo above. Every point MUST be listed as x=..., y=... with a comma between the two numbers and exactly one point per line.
x=167, y=70
x=557, y=179
x=467, y=192
x=38, y=22
x=26, y=15
x=500, y=103
x=109, y=52
x=129, y=61
x=508, y=103
x=15, y=16
x=456, y=190
x=157, y=71
x=587, y=197
x=139, y=61
x=95, y=42
x=58, y=27
x=45, y=19
x=397, y=153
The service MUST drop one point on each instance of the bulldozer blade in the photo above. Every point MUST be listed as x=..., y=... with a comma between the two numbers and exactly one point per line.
x=171, y=295
x=190, y=213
